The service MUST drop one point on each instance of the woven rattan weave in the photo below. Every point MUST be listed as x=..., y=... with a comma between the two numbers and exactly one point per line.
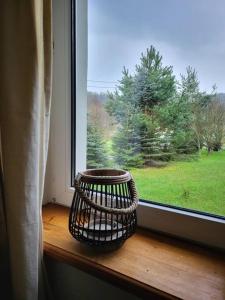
x=103, y=210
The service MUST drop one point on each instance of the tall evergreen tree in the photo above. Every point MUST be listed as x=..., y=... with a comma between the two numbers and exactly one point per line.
x=96, y=150
x=132, y=107
x=121, y=104
x=154, y=83
x=126, y=146
x=178, y=114
x=126, y=142
x=155, y=143
x=189, y=85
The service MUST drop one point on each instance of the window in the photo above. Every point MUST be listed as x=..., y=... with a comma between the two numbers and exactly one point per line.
x=200, y=228
x=162, y=115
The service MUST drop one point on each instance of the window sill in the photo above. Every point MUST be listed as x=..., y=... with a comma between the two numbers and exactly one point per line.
x=147, y=264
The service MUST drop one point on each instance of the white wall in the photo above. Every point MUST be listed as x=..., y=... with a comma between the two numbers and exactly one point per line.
x=69, y=283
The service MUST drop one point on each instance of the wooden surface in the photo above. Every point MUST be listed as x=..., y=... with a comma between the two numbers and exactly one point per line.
x=147, y=264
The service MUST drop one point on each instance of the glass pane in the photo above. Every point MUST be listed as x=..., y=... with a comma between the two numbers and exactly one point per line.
x=156, y=97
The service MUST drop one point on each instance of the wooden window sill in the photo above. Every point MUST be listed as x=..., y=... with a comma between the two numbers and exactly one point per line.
x=148, y=265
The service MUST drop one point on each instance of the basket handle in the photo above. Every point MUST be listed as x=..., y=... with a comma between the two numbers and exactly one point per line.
x=110, y=210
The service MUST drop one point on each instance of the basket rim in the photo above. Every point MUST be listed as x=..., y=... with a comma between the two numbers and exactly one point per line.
x=100, y=207
x=97, y=175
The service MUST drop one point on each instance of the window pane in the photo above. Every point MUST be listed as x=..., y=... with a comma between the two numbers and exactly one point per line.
x=156, y=97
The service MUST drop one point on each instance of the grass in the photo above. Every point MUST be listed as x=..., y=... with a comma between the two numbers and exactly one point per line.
x=197, y=184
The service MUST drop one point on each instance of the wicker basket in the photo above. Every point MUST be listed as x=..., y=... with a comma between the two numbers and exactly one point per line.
x=103, y=210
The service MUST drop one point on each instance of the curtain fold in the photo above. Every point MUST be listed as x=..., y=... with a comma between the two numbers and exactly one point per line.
x=5, y=280
x=25, y=101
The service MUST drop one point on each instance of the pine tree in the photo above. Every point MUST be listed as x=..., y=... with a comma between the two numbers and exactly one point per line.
x=189, y=85
x=96, y=150
x=155, y=143
x=132, y=106
x=178, y=114
x=154, y=83
x=126, y=141
x=127, y=149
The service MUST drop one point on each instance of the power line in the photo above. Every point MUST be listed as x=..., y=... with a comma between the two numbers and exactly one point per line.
x=102, y=87
x=102, y=81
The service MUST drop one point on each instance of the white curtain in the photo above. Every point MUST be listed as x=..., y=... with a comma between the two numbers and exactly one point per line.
x=25, y=93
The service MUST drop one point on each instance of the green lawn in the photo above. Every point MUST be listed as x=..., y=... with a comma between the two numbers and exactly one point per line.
x=198, y=184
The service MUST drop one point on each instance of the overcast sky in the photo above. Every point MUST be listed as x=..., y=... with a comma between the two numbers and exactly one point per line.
x=186, y=32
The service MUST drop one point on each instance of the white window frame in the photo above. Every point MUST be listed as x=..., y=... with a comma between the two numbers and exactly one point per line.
x=202, y=229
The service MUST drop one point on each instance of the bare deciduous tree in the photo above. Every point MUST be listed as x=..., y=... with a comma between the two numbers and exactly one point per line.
x=209, y=125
